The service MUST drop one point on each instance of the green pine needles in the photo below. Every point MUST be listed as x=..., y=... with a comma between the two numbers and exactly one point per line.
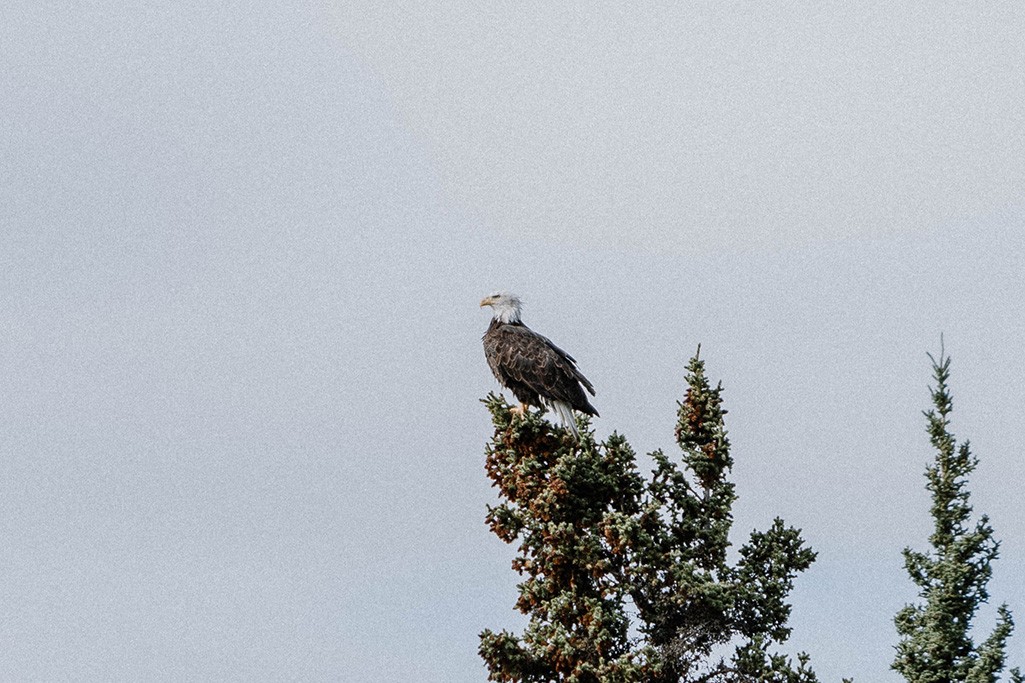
x=936, y=644
x=626, y=578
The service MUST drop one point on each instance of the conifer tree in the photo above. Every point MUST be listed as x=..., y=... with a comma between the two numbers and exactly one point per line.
x=627, y=578
x=936, y=644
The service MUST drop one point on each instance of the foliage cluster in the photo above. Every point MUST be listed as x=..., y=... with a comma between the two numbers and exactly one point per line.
x=627, y=578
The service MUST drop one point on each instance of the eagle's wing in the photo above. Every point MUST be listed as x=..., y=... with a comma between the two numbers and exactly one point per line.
x=531, y=359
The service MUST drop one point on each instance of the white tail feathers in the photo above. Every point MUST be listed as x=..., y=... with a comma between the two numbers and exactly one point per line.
x=566, y=416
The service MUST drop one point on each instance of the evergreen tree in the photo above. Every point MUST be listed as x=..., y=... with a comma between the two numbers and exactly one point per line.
x=627, y=578
x=936, y=644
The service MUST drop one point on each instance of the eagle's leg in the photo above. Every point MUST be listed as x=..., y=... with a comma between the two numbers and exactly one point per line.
x=520, y=410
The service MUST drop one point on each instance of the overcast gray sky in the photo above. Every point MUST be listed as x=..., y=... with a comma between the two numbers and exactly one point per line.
x=243, y=247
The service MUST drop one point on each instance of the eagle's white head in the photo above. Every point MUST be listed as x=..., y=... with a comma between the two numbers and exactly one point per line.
x=505, y=305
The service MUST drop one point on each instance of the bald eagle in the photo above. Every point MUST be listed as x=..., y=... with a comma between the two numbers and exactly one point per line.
x=534, y=369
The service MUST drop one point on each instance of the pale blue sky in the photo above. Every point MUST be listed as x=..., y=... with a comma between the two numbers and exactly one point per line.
x=243, y=248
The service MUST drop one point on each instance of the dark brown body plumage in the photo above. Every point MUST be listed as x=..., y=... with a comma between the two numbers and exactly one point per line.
x=533, y=368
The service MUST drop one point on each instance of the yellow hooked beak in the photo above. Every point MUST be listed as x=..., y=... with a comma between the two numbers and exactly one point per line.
x=487, y=301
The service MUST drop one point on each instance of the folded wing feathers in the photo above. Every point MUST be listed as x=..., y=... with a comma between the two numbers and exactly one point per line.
x=549, y=370
x=533, y=363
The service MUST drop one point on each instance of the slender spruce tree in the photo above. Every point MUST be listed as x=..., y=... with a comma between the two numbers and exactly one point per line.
x=936, y=643
x=626, y=578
